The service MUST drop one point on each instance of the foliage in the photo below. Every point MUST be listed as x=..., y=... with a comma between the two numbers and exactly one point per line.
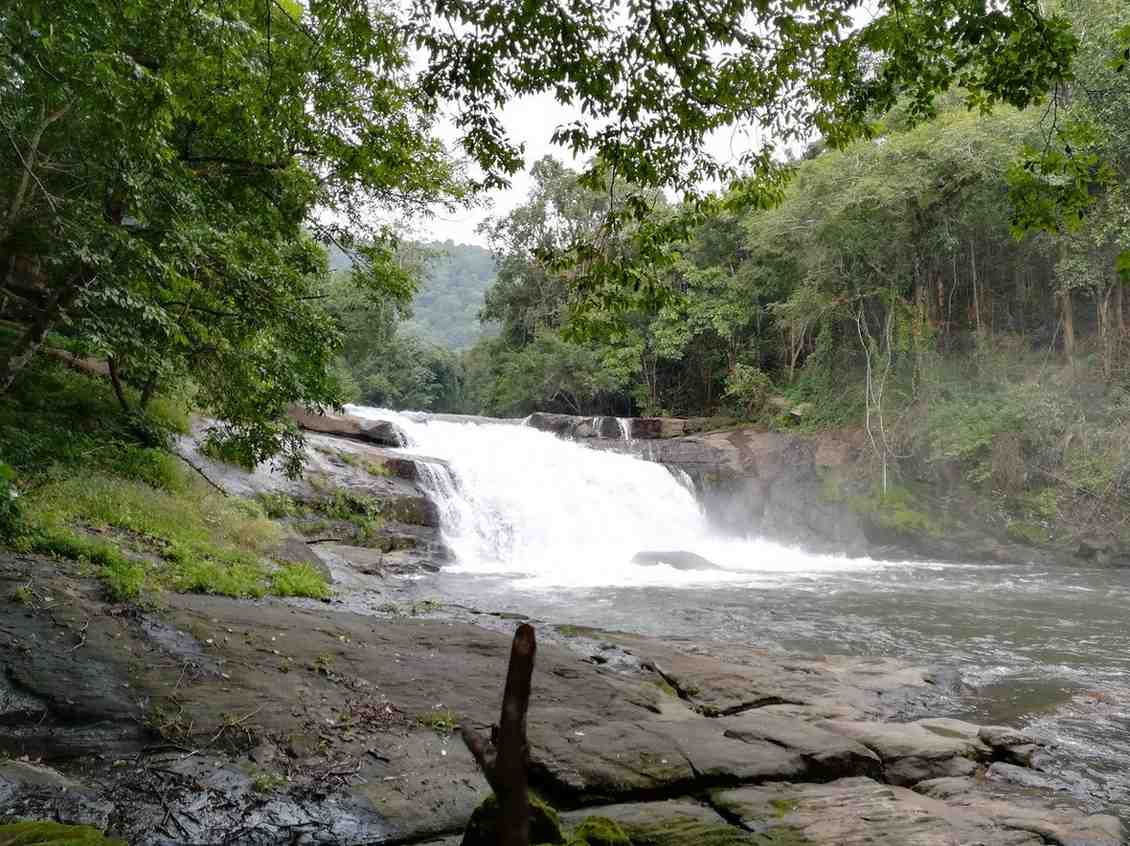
x=180, y=156
x=649, y=88
x=445, y=310
x=381, y=363
x=142, y=520
x=9, y=502
x=750, y=387
x=790, y=67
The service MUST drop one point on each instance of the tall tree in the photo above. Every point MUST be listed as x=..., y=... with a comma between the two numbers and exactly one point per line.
x=166, y=165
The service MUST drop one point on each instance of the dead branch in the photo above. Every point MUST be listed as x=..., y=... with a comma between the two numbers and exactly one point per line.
x=504, y=758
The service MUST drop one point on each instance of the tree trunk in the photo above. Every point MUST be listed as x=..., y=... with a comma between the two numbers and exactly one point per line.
x=32, y=339
x=1068, y=312
x=1119, y=313
x=115, y=380
x=1102, y=315
x=28, y=163
x=976, y=295
x=147, y=391
x=504, y=759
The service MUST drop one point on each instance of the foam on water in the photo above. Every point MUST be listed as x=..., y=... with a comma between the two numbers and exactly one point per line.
x=553, y=513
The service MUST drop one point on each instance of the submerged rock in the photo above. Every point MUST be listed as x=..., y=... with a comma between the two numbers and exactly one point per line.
x=680, y=559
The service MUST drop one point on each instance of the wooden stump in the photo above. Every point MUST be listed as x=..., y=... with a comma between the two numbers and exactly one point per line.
x=505, y=756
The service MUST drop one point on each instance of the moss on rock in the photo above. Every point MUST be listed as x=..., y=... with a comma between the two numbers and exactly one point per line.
x=32, y=833
x=686, y=831
x=689, y=831
x=599, y=831
x=482, y=828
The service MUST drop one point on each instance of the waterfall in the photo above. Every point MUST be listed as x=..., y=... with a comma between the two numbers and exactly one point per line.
x=552, y=512
x=625, y=424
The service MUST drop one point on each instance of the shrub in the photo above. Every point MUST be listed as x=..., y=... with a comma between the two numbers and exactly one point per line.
x=750, y=387
x=299, y=580
x=10, y=518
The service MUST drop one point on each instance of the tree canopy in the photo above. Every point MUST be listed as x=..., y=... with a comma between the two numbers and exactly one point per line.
x=175, y=170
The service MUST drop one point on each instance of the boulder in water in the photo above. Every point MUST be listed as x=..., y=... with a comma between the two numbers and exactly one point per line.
x=680, y=559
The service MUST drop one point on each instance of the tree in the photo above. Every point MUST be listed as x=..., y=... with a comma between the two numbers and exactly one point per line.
x=1084, y=155
x=652, y=81
x=167, y=162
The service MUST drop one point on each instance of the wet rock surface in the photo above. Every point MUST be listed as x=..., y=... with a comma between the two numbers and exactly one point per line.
x=379, y=432
x=857, y=811
x=351, y=494
x=214, y=720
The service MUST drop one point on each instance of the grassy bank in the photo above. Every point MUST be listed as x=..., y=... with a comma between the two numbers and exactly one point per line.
x=88, y=483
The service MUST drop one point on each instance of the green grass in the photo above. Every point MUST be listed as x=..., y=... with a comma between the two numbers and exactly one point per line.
x=94, y=489
x=277, y=504
x=299, y=580
x=362, y=511
x=442, y=720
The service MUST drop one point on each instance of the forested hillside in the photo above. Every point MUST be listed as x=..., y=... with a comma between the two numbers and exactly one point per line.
x=446, y=307
x=956, y=288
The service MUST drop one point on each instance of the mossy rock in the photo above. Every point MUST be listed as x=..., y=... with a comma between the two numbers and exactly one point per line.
x=482, y=828
x=53, y=834
x=688, y=831
x=599, y=831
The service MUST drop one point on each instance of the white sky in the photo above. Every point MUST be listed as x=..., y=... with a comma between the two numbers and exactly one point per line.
x=531, y=121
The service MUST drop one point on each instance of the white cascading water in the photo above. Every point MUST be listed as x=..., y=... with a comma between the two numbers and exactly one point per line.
x=554, y=513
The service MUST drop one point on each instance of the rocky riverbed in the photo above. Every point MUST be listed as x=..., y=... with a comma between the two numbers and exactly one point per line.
x=206, y=720
x=212, y=720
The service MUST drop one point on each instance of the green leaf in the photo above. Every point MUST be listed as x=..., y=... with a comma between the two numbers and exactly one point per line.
x=1122, y=265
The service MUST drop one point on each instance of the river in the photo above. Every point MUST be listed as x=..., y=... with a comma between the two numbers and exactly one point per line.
x=548, y=527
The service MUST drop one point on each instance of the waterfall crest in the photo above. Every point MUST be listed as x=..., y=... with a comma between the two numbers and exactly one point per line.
x=553, y=512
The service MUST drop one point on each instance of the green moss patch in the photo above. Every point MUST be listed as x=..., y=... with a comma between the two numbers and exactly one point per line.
x=53, y=834
x=545, y=825
x=599, y=831
x=442, y=720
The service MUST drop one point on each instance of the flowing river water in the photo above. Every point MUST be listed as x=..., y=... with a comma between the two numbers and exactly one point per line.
x=549, y=527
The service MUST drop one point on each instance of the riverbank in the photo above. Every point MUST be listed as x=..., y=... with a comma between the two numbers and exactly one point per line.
x=213, y=717
x=173, y=713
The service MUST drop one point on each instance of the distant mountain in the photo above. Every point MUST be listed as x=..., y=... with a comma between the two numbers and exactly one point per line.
x=446, y=308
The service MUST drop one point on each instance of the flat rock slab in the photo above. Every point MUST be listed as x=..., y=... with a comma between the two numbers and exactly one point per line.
x=863, y=812
x=1054, y=817
x=602, y=761
x=723, y=679
x=914, y=752
x=825, y=755
x=265, y=717
x=584, y=761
